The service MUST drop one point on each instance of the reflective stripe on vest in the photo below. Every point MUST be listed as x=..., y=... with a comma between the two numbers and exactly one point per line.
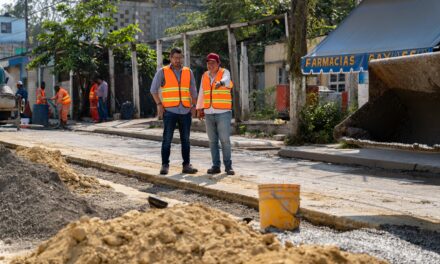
x=218, y=98
x=65, y=98
x=175, y=92
x=92, y=95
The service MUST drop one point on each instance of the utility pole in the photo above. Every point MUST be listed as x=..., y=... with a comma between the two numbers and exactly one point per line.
x=26, y=19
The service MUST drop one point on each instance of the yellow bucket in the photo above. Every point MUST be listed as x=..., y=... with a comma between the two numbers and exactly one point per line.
x=279, y=205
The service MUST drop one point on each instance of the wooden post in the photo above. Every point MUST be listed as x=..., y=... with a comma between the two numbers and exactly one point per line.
x=244, y=82
x=159, y=54
x=134, y=69
x=233, y=60
x=186, y=51
x=71, y=93
x=111, y=66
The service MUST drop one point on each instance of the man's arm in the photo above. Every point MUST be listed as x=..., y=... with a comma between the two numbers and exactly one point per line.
x=193, y=89
x=226, y=79
x=154, y=90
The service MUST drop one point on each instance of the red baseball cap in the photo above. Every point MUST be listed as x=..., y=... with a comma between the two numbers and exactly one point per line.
x=213, y=56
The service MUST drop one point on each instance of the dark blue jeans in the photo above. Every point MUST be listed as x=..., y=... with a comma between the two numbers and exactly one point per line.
x=102, y=109
x=169, y=124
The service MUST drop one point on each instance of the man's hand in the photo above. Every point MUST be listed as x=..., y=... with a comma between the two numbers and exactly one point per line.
x=200, y=114
x=193, y=112
x=160, y=111
x=218, y=84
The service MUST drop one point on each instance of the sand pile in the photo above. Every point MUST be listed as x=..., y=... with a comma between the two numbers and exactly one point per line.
x=74, y=181
x=181, y=234
x=34, y=202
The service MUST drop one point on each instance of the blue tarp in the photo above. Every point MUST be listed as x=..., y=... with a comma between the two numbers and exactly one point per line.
x=377, y=29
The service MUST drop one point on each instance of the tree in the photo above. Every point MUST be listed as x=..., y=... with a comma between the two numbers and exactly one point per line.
x=79, y=42
x=297, y=48
x=223, y=12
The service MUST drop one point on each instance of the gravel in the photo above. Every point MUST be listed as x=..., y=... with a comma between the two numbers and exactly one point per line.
x=396, y=244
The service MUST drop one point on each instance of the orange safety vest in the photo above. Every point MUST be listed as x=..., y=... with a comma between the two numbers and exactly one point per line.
x=41, y=96
x=219, y=98
x=63, y=97
x=92, y=95
x=175, y=92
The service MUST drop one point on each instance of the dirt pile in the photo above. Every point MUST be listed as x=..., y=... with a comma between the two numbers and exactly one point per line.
x=34, y=202
x=74, y=181
x=181, y=234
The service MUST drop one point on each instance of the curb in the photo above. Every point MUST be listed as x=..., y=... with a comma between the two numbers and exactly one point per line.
x=350, y=160
x=312, y=216
x=176, y=140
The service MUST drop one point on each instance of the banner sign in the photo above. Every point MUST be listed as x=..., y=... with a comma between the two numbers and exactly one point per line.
x=352, y=62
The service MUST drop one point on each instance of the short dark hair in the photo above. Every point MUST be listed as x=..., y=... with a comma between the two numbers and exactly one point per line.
x=43, y=83
x=175, y=50
x=56, y=87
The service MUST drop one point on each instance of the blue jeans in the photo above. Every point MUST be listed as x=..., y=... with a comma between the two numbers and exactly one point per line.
x=218, y=127
x=169, y=124
x=102, y=109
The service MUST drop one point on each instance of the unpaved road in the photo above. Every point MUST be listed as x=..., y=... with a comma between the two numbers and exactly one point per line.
x=373, y=195
x=398, y=245
x=395, y=244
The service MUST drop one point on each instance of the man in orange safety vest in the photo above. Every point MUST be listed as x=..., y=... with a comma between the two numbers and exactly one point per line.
x=215, y=104
x=63, y=101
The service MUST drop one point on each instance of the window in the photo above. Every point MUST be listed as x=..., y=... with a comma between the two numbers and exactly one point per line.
x=282, y=76
x=6, y=27
x=337, y=82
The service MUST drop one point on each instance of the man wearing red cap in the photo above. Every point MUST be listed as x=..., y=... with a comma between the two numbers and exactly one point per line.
x=215, y=104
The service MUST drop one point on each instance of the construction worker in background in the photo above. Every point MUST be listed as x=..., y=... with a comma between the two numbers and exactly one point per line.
x=215, y=105
x=93, y=100
x=41, y=94
x=179, y=95
x=62, y=100
x=22, y=94
x=102, y=93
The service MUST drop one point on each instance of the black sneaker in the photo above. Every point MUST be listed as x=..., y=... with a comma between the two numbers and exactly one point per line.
x=230, y=171
x=214, y=170
x=164, y=169
x=188, y=169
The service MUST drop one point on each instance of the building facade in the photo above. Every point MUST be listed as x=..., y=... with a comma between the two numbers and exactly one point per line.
x=154, y=16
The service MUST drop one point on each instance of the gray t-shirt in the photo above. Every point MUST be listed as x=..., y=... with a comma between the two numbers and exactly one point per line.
x=159, y=80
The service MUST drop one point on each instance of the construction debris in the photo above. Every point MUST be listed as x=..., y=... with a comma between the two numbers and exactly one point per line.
x=181, y=234
x=34, y=201
x=74, y=181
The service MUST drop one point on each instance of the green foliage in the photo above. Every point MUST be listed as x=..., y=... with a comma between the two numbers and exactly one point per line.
x=264, y=110
x=146, y=58
x=325, y=15
x=317, y=122
x=76, y=43
x=242, y=129
x=222, y=12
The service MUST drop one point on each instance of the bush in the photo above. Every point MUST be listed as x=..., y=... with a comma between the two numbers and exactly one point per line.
x=317, y=122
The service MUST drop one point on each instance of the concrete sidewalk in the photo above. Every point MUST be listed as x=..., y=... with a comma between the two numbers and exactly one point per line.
x=340, y=196
x=373, y=158
x=138, y=128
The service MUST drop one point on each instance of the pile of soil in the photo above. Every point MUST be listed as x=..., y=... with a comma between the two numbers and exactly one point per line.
x=74, y=181
x=181, y=234
x=34, y=202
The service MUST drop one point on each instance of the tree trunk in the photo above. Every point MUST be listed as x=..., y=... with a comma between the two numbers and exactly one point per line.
x=297, y=48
